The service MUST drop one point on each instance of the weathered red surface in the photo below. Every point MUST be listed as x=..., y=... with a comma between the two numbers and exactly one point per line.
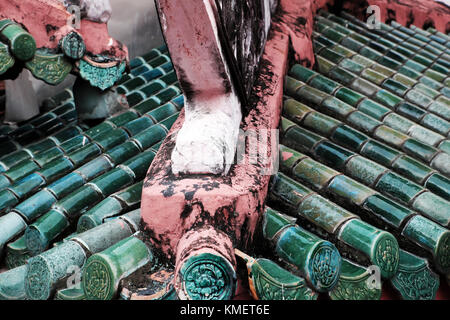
x=47, y=22
x=421, y=13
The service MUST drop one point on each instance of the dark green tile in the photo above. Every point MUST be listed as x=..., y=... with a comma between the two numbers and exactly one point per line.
x=94, y=168
x=395, y=86
x=352, y=44
x=332, y=154
x=349, y=96
x=398, y=187
x=373, y=109
x=138, y=125
x=150, y=136
x=324, y=84
x=21, y=170
x=36, y=205
x=112, y=181
x=363, y=122
x=386, y=98
x=440, y=185
x=412, y=169
x=56, y=168
x=84, y=154
x=300, y=139
x=287, y=190
x=379, y=152
x=66, y=185
x=139, y=164
x=410, y=111
x=78, y=201
x=123, y=152
x=349, y=137
x=341, y=75
x=419, y=149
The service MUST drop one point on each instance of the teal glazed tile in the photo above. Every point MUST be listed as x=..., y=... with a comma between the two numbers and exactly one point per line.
x=289, y=158
x=139, y=164
x=324, y=213
x=411, y=168
x=426, y=90
x=410, y=111
x=343, y=51
x=138, y=125
x=379, y=152
x=387, y=210
x=39, y=235
x=313, y=173
x=409, y=72
x=99, y=129
x=389, y=62
x=169, y=78
x=419, y=149
x=74, y=204
x=123, y=118
x=21, y=170
x=311, y=95
x=163, y=112
x=320, y=123
x=167, y=94
x=349, y=137
x=123, y=152
x=108, y=208
x=350, y=190
x=66, y=185
x=332, y=56
x=300, y=139
x=352, y=44
x=84, y=154
x=370, y=53
x=131, y=196
x=333, y=35
x=146, y=106
x=439, y=185
x=433, y=207
x=324, y=41
x=324, y=84
x=398, y=187
x=364, y=86
x=386, y=98
x=431, y=236
x=349, y=96
x=141, y=69
x=167, y=123
x=415, y=66
x=25, y=186
x=43, y=145
x=150, y=136
x=364, y=170
x=178, y=102
x=351, y=66
x=36, y=205
x=395, y=86
x=341, y=75
x=373, y=76
x=56, y=168
x=337, y=107
x=94, y=168
x=399, y=123
x=74, y=143
x=273, y=223
x=287, y=190
x=440, y=109
x=130, y=85
x=9, y=160
x=67, y=133
x=301, y=73
x=396, y=56
x=332, y=154
x=7, y=199
x=112, y=181
x=373, y=109
x=48, y=155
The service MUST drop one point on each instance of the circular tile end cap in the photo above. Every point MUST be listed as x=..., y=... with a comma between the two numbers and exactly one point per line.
x=206, y=276
x=324, y=266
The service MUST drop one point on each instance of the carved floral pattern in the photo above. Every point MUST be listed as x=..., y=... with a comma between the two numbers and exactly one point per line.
x=205, y=281
x=50, y=68
x=6, y=60
x=99, y=76
x=387, y=255
x=325, y=267
x=354, y=290
x=419, y=285
x=96, y=280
